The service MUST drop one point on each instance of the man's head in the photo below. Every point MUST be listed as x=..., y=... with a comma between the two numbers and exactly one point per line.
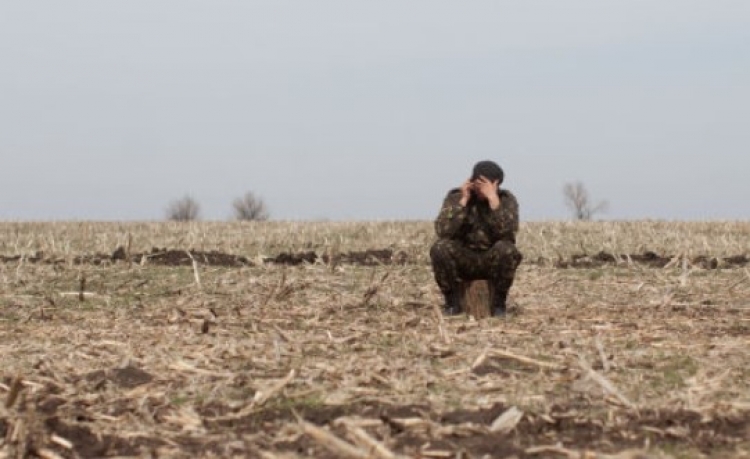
x=489, y=170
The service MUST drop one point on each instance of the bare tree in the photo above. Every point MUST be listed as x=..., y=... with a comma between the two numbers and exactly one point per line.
x=250, y=207
x=185, y=209
x=579, y=202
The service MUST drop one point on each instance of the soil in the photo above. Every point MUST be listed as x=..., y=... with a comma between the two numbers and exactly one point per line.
x=293, y=259
x=170, y=257
x=128, y=378
x=88, y=444
x=648, y=259
x=157, y=256
x=470, y=434
x=369, y=257
x=153, y=367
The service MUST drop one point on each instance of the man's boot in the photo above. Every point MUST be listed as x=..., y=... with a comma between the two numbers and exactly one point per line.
x=500, y=296
x=452, y=305
x=498, y=303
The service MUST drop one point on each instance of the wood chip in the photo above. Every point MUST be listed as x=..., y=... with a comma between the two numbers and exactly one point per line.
x=331, y=442
x=15, y=389
x=507, y=421
x=364, y=440
x=526, y=360
x=48, y=454
x=62, y=442
x=605, y=383
x=261, y=397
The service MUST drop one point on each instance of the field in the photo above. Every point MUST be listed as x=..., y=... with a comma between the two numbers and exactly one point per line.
x=284, y=340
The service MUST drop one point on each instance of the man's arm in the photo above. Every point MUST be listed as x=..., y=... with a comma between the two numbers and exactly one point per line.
x=452, y=215
x=504, y=219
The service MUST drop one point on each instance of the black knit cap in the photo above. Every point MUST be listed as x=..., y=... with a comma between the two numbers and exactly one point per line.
x=490, y=170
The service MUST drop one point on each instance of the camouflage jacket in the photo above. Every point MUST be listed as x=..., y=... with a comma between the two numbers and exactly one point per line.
x=476, y=225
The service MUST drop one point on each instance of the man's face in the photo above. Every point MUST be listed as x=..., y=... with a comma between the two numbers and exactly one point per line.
x=475, y=190
x=482, y=187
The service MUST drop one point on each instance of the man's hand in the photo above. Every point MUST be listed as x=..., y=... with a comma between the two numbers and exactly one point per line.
x=466, y=188
x=488, y=190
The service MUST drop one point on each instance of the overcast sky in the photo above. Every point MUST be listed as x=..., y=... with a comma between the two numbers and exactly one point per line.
x=372, y=110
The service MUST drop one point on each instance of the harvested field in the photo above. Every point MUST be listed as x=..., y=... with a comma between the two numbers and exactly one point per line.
x=325, y=340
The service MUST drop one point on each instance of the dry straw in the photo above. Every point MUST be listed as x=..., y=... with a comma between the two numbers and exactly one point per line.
x=613, y=360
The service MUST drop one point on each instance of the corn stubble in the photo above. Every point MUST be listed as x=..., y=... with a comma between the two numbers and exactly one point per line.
x=125, y=358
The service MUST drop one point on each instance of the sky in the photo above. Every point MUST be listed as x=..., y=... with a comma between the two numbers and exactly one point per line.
x=343, y=110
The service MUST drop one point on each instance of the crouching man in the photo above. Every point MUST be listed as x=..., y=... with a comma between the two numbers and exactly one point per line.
x=477, y=228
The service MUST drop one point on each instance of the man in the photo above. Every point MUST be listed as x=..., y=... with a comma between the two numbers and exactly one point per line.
x=477, y=228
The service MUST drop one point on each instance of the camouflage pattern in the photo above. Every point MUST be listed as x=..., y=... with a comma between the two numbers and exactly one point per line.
x=476, y=225
x=476, y=242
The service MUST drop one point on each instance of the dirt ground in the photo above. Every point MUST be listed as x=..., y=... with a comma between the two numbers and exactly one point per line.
x=307, y=354
x=369, y=257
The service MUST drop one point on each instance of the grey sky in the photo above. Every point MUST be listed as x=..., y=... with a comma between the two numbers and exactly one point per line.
x=372, y=110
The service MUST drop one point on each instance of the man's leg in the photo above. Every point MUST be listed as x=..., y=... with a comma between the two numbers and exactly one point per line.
x=450, y=260
x=501, y=262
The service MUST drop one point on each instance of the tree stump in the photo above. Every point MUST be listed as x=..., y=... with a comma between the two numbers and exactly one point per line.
x=476, y=298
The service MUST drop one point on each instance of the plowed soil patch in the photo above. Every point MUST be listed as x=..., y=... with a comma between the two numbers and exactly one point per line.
x=369, y=257
x=651, y=260
x=171, y=257
x=167, y=257
x=157, y=256
x=414, y=429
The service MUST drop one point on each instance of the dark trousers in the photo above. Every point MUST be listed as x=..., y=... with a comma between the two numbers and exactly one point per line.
x=453, y=263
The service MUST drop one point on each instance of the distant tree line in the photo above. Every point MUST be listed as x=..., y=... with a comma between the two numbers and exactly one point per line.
x=248, y=207
x=579, y=202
